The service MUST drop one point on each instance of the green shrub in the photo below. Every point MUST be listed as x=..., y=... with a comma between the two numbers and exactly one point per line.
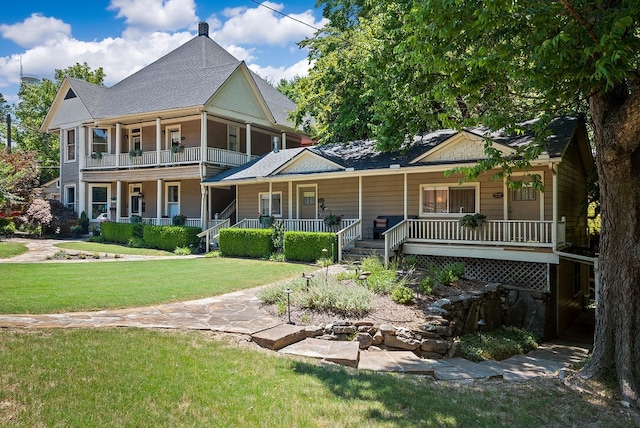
x=100, y=239
x=170, y=237
x=450, y=273
x=117, y=232
x=381, y=279
x=308, y=246
x=135, y=242
x=426, y=285
x=182, y=251
x=83, y=222
x=245, y=242
x=7, y=226
x=403, y=295
x=497, y=344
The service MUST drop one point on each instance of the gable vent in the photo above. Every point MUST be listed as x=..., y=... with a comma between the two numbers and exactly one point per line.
x=70, y=94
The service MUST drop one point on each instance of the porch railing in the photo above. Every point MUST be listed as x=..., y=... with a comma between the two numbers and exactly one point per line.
x=348, y=235
x=525, y=233
x=194, y=222
x=394, y=237
x=150, y=158
x=212, y=232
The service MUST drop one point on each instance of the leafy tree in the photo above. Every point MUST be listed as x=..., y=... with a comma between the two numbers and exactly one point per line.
x=287, y=87
x=390, y=68
x=35, y=100
x=48, y=215
x=19, y=173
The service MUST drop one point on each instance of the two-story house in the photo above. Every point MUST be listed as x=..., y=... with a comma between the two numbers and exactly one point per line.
x=142, y=146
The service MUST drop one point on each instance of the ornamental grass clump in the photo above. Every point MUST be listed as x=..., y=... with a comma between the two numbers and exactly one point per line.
x=381, y=279
x=498, y=344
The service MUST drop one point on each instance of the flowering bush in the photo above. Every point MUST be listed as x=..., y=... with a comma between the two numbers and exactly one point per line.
x=49, y=215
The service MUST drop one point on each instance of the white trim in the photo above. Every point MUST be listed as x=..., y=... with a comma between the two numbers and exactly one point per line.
x=298, y=186
x=107, y=202
x=447, y=186
x=498, y=253
x=270, y=209
x=168, y=184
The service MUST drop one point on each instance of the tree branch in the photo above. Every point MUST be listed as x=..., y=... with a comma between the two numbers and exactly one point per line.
x=580, y=20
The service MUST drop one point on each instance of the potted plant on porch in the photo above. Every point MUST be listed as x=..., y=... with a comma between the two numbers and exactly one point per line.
x=472, y=221
x=332, y=220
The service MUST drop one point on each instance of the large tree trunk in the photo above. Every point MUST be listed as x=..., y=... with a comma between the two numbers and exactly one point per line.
x=616, y=121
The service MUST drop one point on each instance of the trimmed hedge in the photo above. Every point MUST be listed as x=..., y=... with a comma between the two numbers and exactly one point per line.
x=170, y=237
x=117, y=232
x=308, y=246
x=246, y=242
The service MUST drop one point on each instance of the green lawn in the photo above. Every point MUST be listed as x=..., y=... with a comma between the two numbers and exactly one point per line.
x=11, y=249
x=96, y=247
x=75, y=286
x=158, y=378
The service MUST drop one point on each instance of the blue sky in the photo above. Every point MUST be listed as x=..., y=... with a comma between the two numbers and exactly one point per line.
x=123, y=36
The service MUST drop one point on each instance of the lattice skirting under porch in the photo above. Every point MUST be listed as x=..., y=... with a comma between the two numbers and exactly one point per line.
x=534, y=276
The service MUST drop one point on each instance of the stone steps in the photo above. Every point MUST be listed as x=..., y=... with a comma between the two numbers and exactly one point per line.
x=278, y=337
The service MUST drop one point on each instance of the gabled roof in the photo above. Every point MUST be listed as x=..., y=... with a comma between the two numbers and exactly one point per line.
x=187, y=77
x=362, y=155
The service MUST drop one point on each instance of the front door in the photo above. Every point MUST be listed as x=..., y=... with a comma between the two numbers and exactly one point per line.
x=524, y=204
x=135, y=199
x=307, y=200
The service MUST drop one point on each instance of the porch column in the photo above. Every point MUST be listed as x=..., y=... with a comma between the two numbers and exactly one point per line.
x=290, y=200
x=158, y=141
x=360, y=197
x=82, y=141
x=203, y=207
x=406, y=212
x=248, y=137
x=159, y=201
x=118, y=142
x=270, y=197
x=203, y=137
x=118, y=200
x=554, y=229
x=284, y=140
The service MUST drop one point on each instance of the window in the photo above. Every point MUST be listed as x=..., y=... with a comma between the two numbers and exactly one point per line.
x=524, y=194
x=135, y=139
x=172, y=205
x=71, y=145
x=70, y=196
x=100, y=140
x=449, y=199
x=276, y=204
x=173, y=136
x=99, y=194
x=233, y=138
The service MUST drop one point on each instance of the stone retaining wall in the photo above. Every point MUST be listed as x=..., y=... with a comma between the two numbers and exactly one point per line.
x=445, y=319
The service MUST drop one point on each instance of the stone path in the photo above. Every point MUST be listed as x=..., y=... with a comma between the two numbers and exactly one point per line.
x=240, y=313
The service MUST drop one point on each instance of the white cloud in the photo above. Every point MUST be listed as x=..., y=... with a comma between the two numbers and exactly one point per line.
x=243, y=54
x=262, y=26
x=36, y=30
x=149, y=15
x=274, y=74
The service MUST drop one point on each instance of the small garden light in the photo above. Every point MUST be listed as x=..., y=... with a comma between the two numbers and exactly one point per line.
x=288, y=292
x=308, y=277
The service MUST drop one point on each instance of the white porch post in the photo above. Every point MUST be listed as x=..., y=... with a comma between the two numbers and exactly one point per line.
x=118, y=200
x=81, y=184
x=290, y=200
x=270, y=197
x=284, y=140
x=406, y=192
x=248, y=138
x=159, y=201
x=203, y=137
x=554, y=229
x=118, y=140
x=360, y=197
x=158, y=141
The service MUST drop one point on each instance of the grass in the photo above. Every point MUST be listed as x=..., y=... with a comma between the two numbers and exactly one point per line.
x=96, y=247
x=497, y=344
x=132, y=377
x=11, y=249
x=63, y=287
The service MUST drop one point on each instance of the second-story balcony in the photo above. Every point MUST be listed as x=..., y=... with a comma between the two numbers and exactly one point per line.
x=185, y=156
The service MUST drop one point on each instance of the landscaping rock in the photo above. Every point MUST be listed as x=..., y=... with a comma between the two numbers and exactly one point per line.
x=432, y=345
x=365, y=340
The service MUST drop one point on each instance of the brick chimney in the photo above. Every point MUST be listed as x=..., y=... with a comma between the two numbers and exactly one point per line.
x=203, y=29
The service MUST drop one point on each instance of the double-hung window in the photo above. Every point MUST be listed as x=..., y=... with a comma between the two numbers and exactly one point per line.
x=99, y=203
x=449, y=199
x=276, y=204
x=100, y=140
x=172, y=201
x=232, y=138
x=70, y=196
x=70, y=151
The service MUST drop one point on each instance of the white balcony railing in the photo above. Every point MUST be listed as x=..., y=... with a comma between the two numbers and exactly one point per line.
x=194, y=222
x=188, y=155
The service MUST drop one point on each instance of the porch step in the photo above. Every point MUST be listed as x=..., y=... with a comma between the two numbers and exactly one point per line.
x=364, y=249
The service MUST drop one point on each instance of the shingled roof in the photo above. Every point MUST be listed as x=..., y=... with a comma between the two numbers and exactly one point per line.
x=185, y=77
x=362, y=154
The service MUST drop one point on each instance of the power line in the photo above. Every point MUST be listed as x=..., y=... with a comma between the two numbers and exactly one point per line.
x=285, y=15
